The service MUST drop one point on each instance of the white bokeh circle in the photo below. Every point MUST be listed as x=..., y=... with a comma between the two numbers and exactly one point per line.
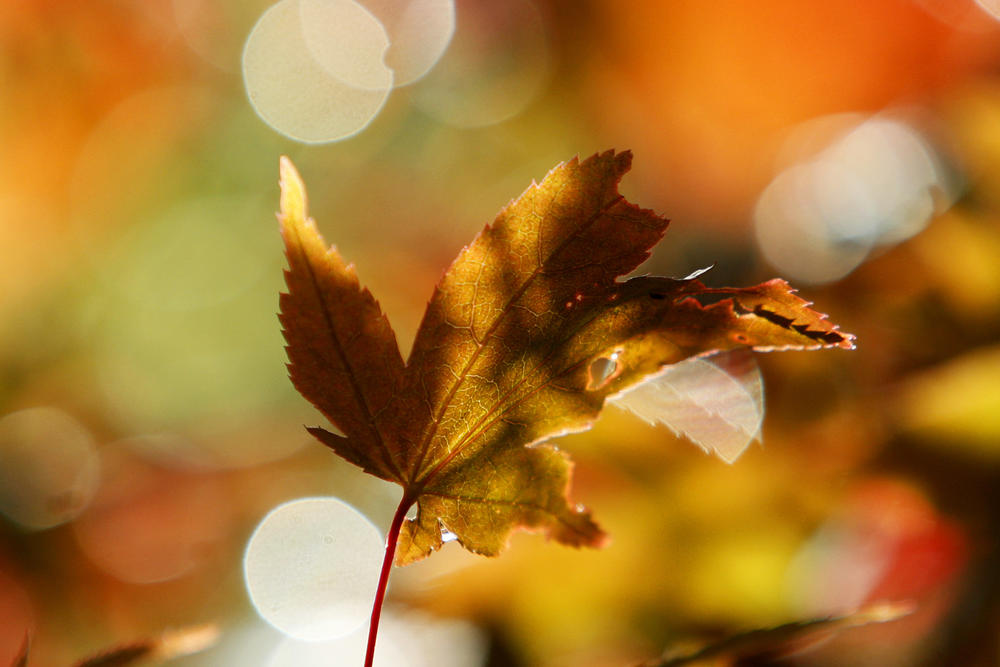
x=419, y=32
x=497, y=63
x=295, y=94
x=311, y=568
x=347, y=41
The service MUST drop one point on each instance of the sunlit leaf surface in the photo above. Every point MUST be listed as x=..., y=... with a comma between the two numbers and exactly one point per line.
x=525, y=336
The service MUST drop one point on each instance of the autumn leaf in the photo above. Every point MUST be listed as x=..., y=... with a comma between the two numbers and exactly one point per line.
x=777, y=642
x=717, y=403
x=168, y=645
x=526, y=335
x=342, y=352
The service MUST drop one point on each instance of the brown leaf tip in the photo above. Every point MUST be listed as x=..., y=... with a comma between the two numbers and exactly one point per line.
x=825, y=337
x=805, y=321
x=583, y=532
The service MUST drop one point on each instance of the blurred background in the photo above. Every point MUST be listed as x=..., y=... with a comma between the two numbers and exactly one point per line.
x=147, y=424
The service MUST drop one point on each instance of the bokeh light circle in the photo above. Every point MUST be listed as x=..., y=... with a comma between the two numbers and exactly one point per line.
x=295, y=94
x=149, y=524
x=419, y=32
x=347, y=41
x=874, y=185
x=792, y=233
x=311, y=568
x=496, y=65
x=49, y=467
x=405, y=639
x=214, y=29
x=346, y=650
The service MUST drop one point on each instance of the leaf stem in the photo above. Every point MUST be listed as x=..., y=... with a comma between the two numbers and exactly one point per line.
x=383, y=580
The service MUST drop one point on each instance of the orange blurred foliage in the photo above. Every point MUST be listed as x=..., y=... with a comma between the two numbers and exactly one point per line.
x=709, y=89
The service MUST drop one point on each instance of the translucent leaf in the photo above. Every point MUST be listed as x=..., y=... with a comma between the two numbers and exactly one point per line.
x=717, y=403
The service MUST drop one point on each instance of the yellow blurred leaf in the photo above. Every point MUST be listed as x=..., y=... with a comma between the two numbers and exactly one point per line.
x=957, y=404
x=972, y=284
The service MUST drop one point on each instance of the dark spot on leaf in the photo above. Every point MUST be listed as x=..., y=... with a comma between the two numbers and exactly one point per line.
x=833, y=337
x=828, y=337
x=770, y=316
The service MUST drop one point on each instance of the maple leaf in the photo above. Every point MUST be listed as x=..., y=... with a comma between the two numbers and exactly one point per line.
x=770, y=644
x=526, y=335
x=717, y=404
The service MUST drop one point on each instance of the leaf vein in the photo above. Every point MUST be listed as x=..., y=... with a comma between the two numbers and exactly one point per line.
x=509, y=504
x=425, y=444
x=360, y=398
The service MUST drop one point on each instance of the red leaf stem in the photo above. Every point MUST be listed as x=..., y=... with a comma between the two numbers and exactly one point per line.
x=383, y=580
